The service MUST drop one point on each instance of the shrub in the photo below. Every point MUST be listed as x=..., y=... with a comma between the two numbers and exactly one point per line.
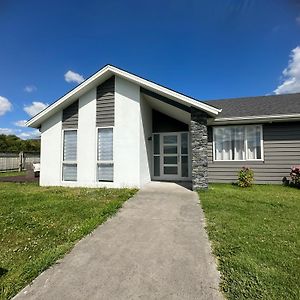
x=285, y=181
x=245, y=177
x=295, y=175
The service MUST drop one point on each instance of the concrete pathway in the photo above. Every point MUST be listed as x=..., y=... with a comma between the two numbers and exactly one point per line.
x=154, y=248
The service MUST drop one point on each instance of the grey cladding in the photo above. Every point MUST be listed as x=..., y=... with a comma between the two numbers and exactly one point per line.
x=105, y=115
x=281, y=151
x=70, y=116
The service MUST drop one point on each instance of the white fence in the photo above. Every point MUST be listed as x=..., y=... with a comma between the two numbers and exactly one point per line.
x=18, y=161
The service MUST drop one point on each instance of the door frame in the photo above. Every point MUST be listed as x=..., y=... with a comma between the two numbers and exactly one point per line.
x=171, y=177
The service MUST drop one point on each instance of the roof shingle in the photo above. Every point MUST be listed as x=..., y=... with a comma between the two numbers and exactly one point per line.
x=258, y=106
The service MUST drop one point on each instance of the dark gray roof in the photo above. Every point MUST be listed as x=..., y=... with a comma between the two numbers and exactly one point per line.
x=257, y=106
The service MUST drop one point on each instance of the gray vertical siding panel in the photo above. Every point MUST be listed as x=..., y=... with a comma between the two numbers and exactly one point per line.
x=70, y=116
x=105, y=114
x=281, y=151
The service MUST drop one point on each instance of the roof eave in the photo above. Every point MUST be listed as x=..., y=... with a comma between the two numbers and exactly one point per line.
x=39, y=118
x=254, y=119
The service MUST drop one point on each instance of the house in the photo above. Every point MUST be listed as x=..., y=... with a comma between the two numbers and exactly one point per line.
x=117, y=129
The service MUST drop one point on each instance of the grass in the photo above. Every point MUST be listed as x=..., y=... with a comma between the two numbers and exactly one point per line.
x=12, y=173
x=256, y=239
x=38, y=225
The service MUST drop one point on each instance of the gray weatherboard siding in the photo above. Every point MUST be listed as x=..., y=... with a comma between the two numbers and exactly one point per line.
x=105, y=113
x=70, y=116
x=281, y=151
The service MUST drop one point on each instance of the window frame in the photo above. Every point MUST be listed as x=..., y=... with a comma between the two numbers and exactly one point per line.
x=245, y=144
x=69, y=162
x=104, y=161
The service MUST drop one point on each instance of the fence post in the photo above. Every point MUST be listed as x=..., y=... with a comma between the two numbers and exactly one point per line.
x=21, y=161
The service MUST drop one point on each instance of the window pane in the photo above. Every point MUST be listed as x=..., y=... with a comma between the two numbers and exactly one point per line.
x=170, y=170
x=184, y=166
x=70, y=145
x=156, y=166
x=170, y=139
x=253, y=142
x=218, y=138
x=105, y=144
x=69, y=172
x=223, y=143
x=184, y=143
x=227, y=144
x=105, y=172
x=156, y=144
x=230, y=142
x=239, y=143
x=170, y=149
x=170, y=160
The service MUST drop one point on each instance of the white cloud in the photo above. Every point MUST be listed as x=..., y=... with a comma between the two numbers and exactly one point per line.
x=298, y=20
x=25, y=135
x=71, y=76
x=34, y=108
x=30, y=88
x=20, y=123
x=5, y=105
x=6, y=131
x=32, y=134
x=291, y=75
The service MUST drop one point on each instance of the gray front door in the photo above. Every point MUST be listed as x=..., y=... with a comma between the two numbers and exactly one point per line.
x=171, y=156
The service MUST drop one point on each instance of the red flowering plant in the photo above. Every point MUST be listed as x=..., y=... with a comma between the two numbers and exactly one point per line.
x=295, y=175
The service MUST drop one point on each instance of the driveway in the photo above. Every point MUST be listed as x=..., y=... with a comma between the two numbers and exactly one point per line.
x=154, y=248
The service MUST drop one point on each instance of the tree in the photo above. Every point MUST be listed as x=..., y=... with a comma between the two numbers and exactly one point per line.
x=12, y=143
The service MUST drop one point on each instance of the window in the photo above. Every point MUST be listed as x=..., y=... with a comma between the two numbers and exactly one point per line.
x=69, y=166
x=238, y=142
x=156, y=153
x=105, y=165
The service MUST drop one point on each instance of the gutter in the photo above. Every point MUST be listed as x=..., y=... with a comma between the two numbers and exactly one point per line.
x=254, y=119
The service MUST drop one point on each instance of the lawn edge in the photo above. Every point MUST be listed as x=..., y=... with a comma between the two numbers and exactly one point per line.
x=211, y=247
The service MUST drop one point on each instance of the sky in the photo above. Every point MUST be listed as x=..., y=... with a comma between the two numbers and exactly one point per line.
x=202, y=48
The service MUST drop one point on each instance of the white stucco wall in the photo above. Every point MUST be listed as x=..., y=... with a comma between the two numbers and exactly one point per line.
x=145, y=144
x=51, y=151
x=87, y=139
x=127, y=134
x=132, y=150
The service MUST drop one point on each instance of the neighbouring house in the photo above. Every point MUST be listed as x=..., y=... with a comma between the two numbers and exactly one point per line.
x=117, y=129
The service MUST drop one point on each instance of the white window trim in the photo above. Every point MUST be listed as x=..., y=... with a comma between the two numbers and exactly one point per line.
x=69, y=162
x=245, y=144
x=104, y=161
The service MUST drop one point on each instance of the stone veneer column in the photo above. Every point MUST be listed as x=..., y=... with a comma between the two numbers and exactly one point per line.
x=198, y=131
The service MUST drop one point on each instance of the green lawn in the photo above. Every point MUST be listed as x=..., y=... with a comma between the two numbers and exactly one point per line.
x=38, y=225
x=255, y=235
x=12, y=173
